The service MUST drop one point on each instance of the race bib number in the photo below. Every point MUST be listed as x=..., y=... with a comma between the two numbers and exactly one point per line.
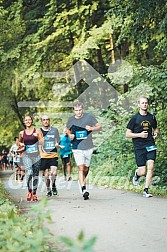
x=64, y=156
x=31, y=148
x=81, y=134
x=151, y=148
x=49, y=145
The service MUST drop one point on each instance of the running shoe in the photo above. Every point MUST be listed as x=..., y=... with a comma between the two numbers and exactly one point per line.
x=146, y=194
x=49, y=194
x=85, y=195
x=54, y=191
x=34, y=197
x=69, y=179
x=136, y=179
x=29, y=196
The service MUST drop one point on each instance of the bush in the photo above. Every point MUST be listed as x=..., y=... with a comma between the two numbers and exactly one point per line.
x=23, y=234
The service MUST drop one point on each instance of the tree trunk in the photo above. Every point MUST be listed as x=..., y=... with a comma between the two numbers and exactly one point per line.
x=112, y=50
x=101, y=66
x=16, y=110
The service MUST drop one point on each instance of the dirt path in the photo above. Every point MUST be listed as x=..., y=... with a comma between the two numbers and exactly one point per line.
x=122, y=221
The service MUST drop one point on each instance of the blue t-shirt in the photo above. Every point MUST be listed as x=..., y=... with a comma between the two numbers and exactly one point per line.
x=66, y=142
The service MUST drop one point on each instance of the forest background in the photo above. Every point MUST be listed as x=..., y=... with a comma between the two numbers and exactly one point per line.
x=120, y=47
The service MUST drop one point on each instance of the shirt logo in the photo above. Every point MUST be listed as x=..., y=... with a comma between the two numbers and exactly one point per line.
x=145, y=125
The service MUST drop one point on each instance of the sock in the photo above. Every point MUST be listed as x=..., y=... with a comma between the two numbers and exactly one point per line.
x=137, y=175
x=83, y=188
x=146, y=189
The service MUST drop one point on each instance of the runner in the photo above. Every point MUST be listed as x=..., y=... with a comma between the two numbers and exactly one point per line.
x=17, y=164
x=29, y=142
x=10, y=161
x=80, y=127
x=4, y=160
x=139, y=129
x=65, y=153
x=49, y=155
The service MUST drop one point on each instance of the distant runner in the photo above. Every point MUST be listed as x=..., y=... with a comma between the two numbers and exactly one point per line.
x=65, y=153
x=17, y=163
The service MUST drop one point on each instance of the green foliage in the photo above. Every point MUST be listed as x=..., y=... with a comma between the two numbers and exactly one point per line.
x=80, y=244
x=140, y=29
x=20, y=233
x=114, y=156
x=114, y=163
x=28, y=233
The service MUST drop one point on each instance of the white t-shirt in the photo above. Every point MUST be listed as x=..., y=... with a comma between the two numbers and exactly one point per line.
x=16, y=157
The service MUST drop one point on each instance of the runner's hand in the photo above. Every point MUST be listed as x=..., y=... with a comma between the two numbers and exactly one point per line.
x=155, y=136
x=144, y=134
x=88, y=128
x=72, y=136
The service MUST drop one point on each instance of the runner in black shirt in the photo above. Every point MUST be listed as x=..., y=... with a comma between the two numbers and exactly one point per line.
x=140, y=129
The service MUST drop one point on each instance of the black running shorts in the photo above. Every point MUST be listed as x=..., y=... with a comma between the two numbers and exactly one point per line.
x=66, y=160
x=46, y=163
x=143, y=155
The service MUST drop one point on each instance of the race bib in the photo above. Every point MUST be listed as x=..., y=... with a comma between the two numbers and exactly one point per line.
x=151, y=148
x=81, y=134
x=64, y=156
x=49, y=145
x=31, y=148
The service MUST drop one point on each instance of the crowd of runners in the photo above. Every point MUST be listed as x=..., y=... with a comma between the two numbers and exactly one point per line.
x=38, y=149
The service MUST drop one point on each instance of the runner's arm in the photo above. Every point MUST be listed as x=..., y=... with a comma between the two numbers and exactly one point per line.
x=156, y=131
x=21, y=146
x=40, y=137
x=71, y=136
x=96, y=127
x=130, y=134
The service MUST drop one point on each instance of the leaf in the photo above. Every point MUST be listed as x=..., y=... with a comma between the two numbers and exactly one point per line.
x=81, y=236
x=88, y=246
x=69, y=242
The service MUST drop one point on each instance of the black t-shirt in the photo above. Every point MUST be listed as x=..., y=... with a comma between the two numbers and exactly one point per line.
x=139, y=123
x=83, y=138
